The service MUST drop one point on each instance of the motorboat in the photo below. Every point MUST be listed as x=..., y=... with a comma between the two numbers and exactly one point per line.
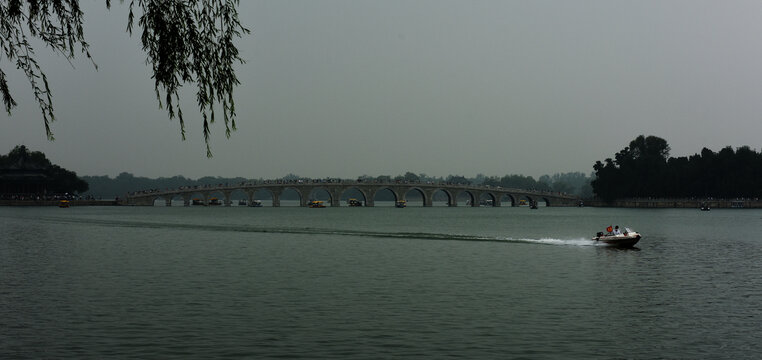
x=214, y=201
x=63, y=203
x=256, y=203
x=400, y=203
x=626, y=239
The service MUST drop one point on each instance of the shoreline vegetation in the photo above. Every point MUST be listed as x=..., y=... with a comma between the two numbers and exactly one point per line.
x=644, y=170
x=35, y=202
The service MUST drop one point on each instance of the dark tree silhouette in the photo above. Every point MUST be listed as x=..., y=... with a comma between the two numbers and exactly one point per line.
x=643, y=169
x=190, y=41
x=57, y=179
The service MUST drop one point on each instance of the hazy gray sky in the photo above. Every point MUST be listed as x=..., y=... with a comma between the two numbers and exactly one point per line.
x=345, y=88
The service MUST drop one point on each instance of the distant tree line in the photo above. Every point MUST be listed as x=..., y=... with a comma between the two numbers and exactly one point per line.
x=644, y=169
x=572, y=183
x=108, y=188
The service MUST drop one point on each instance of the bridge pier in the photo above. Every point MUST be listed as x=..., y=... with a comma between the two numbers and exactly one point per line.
x=303, y=200
x=228, y=200
x=428, y=198
x=335, y=197
x=250, y=198
x=477, y=199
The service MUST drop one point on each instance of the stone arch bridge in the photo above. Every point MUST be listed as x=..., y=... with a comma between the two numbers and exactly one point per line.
x=368, y=190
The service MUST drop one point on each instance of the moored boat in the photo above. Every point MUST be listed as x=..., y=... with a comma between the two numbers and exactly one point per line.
x=354, y=202
x=316, y=204
x=63, y=203
x=626, y=239
x=256, y=203
x=400, y=203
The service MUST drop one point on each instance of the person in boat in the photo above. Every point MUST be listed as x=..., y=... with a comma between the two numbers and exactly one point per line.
x=616, y=230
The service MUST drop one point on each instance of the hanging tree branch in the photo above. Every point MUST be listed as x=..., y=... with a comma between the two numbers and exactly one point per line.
x=186, y=41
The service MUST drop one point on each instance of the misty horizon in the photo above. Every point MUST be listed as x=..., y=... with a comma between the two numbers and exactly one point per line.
x=344, y=88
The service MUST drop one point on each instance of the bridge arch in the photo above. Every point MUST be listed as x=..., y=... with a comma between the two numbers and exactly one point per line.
x=487, y=198
x=197, y=198
x=290, y=196
x=263, y=194
x=440, y=196
x=161, y=200
x=176, y=199
x=236, y=195
x=320, y=193
x=216, y=198
x=418, y=197
x=353, y=192
x=524, y=200
x=466, y=198
x=388, y=196
x=545, y=199
x=508, y=199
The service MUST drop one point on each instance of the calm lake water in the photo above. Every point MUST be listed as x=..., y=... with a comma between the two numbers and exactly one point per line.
x=378, y=283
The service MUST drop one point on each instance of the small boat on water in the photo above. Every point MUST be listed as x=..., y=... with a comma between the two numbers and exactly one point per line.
x=214, y=201
x=400, y=203
x=354, y=202
x=256, y=203
x=627, y=239
x=316, y=204
x=63, y=203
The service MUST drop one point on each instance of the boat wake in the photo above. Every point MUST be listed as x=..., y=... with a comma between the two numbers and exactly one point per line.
x=564, y=242
x=322, y=231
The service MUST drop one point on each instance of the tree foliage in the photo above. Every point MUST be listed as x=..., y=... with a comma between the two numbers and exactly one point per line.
x=188, y=41
x=58, y=180
x=575, y=183
x=516, y=182
x=644, y=169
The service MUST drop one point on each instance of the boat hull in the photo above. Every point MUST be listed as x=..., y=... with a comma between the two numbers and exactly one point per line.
x=622, y=241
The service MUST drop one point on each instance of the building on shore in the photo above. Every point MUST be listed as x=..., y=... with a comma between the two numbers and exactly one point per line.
x=22, y=177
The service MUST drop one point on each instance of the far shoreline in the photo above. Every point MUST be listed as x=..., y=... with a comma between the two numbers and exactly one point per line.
x=56, y=202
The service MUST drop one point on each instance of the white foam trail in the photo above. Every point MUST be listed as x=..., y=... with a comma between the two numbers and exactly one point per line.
x=551, y=241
